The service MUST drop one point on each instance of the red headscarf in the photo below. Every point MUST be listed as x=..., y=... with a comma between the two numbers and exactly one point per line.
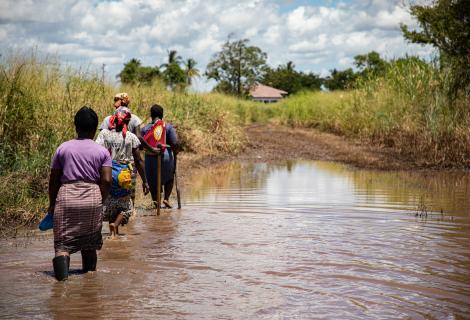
x=120, y=119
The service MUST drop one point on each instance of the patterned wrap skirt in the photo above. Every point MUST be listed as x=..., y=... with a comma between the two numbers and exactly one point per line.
x=78, y=218
x=115, y=206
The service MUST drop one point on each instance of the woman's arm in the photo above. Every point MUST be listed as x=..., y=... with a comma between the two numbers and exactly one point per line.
x=105, y=182
x=54, y=186
x=138, y=132
x=140, y=168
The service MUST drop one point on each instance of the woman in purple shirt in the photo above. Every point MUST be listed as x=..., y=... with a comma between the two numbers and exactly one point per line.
x=80, y=180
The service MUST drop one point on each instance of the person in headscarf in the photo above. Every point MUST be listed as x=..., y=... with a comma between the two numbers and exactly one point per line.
x=79, y=182
x=123, y=146
x=122, y=100
x=168, y=164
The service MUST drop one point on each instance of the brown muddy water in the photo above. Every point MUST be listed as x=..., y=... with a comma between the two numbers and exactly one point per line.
x=298, y=240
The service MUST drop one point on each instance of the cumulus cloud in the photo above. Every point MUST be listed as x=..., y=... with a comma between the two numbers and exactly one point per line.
x=315, y=37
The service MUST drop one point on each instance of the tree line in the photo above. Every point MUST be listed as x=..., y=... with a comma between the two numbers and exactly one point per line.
x=239, y=65
x=445, y=24
x=176, y=72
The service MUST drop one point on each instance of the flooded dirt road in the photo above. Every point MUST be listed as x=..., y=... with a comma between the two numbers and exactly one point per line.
x=297, y=240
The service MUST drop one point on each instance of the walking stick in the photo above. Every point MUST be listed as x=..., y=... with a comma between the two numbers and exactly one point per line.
x=159, y=179
x=178, y=197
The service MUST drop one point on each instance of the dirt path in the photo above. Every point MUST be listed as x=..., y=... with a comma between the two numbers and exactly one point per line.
x=268, y=143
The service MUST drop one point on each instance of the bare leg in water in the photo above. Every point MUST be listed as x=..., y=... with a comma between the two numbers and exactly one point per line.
x=168, y=188
x=114, y=226
x=62, y=253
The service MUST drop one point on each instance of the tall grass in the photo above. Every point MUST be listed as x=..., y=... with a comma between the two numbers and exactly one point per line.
x=407, y=109
x=38, y=100
x=323, y=110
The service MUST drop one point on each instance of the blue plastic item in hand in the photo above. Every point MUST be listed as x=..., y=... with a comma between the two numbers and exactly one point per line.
x=47, y=222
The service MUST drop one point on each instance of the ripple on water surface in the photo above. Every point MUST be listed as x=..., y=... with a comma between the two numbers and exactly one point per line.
x=293, y=240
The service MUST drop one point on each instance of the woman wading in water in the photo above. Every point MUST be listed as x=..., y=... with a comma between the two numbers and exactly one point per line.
x=79, y=182
x=124, y=149
x=168, y=166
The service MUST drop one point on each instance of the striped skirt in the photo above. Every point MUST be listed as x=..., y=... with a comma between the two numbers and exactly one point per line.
x=78, y=218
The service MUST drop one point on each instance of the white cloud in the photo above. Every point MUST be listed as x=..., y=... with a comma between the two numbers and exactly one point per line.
x=390, y=19
x=345, y=61
x=300, y=21
x=316, y=38
x=315, y=45
x=207, y=41
x=107, y=60
x=34, y=11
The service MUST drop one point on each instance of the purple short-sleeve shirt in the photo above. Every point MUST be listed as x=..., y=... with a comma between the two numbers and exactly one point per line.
x=81, y=160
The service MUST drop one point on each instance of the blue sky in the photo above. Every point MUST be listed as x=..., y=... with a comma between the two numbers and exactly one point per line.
x=317, y=35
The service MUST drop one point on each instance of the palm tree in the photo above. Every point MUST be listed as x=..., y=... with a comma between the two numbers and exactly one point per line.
x=191, y=70
x=173, y=58
x=290, y=66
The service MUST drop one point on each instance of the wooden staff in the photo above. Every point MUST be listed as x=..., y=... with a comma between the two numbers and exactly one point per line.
x=159, y=178
x=176, y=185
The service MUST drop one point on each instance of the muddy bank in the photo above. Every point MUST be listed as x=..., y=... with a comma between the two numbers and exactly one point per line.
x=267, y=143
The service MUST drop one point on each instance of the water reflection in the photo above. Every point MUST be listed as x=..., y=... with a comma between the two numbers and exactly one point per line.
x=292, y=240
x=326, y=183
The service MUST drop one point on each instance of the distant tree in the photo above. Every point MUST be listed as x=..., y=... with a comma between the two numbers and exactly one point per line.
x=283, y=78
x=311, y=81
x=173, y=75
x=286, y=78
x=147, y=74
x=340, y=80
x=223, y=86
x=130, y=71
x=371, y=64
x=290, y=66
x=134, y=72
x=190, y=70
x=445, y=24
x=173, y=58
x=237, y=67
